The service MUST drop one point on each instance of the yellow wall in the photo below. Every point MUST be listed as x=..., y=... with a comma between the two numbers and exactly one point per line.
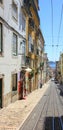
x=35, y=17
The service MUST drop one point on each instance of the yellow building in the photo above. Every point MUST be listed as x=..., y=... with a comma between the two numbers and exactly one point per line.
x=30, y=9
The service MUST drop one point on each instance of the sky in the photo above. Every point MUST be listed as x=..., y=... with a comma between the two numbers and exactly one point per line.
x=51, y=23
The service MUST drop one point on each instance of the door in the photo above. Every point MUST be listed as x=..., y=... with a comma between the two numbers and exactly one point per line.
x=0, y=93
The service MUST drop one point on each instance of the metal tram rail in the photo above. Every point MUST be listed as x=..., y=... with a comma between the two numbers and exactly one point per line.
x=56, y=122
x=59, y=95
x=53, y=123
x=34, y=117
x=39, y=119
x=59, y=121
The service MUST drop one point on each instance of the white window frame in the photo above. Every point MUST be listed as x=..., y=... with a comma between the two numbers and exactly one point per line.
x=14, y=45
x=30, y=41
x=14, y=11
x=23, y=23
x=22, y=48
x=1, y=1
x=1, y=41
x=14, y=82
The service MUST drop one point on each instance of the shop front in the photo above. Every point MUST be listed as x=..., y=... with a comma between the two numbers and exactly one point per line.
x=21, y=85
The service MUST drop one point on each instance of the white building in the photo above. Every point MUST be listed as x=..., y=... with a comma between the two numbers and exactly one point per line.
x=12, y=46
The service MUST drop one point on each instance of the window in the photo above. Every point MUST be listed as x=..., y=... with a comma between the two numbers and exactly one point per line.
x=0, y=38
x=14, y=82
x=23, y=60
x=23, y=47
x=30, y=40
x=14, y=11
x=0, y=1
x=14, y=44
x=23, y=24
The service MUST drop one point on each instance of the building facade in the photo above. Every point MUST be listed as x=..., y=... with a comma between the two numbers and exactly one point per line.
x=45, y=68
x=12, y=46
x=60, y=69
x=19, y=48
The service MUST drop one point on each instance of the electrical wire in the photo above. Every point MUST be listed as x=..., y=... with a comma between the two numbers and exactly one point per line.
x=60, y=23
x=52, y=18
x=53, y=45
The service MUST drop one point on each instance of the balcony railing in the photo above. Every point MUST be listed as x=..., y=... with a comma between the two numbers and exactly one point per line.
x=23, y=59
x=37, y=33
x=25, y=2
x=27, y=61
x=31, y=48
x=37, y=51
x=26, y=6
x=31, y=2
x=31, y=23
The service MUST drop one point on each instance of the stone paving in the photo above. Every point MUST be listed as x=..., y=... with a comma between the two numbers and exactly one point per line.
x=13, y=116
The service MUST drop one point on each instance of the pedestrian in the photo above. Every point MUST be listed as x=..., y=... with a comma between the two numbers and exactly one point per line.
x=40, y=83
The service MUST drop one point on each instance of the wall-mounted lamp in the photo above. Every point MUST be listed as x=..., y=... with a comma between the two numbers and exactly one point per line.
x=28, y=69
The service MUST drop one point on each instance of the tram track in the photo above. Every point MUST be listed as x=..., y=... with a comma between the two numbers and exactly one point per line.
x=33, y=119
x=41, y=121
x=58, y=124
x=47, y=115
x=59, y=120
x=49, y=120
x=53, y=123
x=59, y=95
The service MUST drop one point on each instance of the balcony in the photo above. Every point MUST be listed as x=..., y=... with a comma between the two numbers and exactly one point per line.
x=23, y=59
x=35, y=9
x=37, y=51
x=31, y=48
x=26, y=6
x=27, y=61
x=31, y=23
x=37, y=32
x=25, y=3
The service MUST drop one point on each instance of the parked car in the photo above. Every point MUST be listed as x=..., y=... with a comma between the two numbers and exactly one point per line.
x=52, y=79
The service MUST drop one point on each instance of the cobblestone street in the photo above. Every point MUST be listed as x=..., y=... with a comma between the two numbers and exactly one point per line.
x=42, y=105
x=13, y=116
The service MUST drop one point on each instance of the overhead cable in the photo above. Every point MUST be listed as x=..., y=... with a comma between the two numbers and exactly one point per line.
x=52, y=18
x=60, y=23
x=54, y=45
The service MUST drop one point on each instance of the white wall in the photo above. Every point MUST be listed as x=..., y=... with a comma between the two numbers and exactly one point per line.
x=8, y=63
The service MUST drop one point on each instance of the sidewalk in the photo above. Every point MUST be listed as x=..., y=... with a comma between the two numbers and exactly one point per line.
x=13, y=116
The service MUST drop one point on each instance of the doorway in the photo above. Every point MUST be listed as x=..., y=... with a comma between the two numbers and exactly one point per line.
x=0, y=93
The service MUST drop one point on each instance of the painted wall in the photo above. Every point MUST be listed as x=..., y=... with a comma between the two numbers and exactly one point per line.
x=8, y=62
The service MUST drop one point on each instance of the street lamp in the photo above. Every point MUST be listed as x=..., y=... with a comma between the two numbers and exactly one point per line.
x=28, y=69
